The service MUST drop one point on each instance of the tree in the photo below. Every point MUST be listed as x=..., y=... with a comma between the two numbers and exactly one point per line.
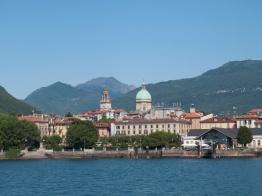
x=162, y=139
x=244, y=136
x=53, y=142
x=81, y=134
x=16, y=134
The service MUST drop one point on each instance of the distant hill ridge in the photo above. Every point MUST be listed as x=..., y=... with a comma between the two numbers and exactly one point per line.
x=236, y=83
x=9, y=104
x=60, y=98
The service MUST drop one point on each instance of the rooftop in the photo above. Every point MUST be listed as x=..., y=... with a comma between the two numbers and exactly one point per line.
x=219, y=119
x=151, y=121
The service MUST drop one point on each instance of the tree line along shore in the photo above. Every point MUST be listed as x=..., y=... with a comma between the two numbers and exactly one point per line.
x=18, y=135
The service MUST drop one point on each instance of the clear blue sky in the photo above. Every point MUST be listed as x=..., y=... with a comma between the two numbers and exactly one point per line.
x=42, y=42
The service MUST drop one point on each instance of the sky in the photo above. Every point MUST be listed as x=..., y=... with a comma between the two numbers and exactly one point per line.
x=42, y=42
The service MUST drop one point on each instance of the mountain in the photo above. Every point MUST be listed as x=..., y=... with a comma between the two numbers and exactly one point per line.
x=9, y=104
x=235, y=84
x=60, y=98
x=116, y=88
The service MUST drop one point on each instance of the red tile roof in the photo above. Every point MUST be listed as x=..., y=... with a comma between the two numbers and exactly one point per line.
x=192, y=115
x=219, y=119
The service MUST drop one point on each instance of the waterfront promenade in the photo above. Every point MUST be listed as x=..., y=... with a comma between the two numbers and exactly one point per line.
x=126, y=154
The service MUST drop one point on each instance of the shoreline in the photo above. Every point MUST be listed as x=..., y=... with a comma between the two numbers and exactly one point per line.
x=125, y=154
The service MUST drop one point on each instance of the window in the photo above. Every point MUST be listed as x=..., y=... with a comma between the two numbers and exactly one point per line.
x=118, y=127
x=123, y=127
x=128, y=127
x=145, y=132
x=134, y=132
x=258, y=142
x=134, y=127
x=157, y=126
x=140, y=126
x=128, y=132
x=151, y=126
x=145, y=126
x=139, y=132
x=168, y=126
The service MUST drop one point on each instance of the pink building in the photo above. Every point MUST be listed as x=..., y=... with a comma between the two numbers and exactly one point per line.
x=103, y=129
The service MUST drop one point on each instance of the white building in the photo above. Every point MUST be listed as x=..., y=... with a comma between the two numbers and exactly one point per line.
x=246, y=121
x=145, y=127
x=105, y=102
x=257, y=138
x=160, y=112
x=143, y=100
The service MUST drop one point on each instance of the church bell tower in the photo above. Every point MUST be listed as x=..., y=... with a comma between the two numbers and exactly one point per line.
x=105, y=102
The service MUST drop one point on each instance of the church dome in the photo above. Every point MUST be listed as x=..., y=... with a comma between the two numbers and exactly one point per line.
x=143, y=94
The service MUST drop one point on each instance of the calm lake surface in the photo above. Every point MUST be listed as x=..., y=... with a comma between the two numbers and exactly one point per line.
x=132, y=177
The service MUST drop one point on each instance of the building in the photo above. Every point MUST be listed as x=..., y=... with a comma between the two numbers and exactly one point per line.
x=194, y=117
x=40, y=120
x=105, y=102
x=257, y=138
x=103, y=129
x=59, y=126
x=246, y=121
x=50, y=125
x=252, y=119
x=218, y=122
x=145, y=127
x=160, y=112
x=222, y=138
x=143, y=100
x=255, y=112
x=97, y=115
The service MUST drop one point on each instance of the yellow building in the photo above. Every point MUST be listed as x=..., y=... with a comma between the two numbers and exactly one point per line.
x=218, y=122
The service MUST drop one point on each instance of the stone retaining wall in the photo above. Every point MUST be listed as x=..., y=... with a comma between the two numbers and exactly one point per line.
x=42, y=154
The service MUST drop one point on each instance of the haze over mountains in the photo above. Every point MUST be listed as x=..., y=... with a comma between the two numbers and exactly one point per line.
x=234, y=84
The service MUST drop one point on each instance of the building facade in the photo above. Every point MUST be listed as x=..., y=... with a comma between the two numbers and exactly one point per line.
x=218, y=122
x=146, y=127
x=40, y=120
x=105, y=102
x=143, y=100
x=223, y=138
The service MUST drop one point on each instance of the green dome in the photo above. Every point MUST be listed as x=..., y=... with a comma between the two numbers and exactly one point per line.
x=143, y=94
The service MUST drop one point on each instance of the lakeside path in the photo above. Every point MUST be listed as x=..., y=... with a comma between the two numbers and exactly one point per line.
x=49, y=154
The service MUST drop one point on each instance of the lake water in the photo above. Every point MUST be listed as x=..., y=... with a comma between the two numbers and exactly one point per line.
x=234, y=177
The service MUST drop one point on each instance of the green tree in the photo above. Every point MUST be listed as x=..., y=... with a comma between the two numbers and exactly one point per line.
x=53, y=142
x=162, y=139
x=157, y=139
x=2, y=139
x=81, y=134
x=244, y=136
x=16, y=134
